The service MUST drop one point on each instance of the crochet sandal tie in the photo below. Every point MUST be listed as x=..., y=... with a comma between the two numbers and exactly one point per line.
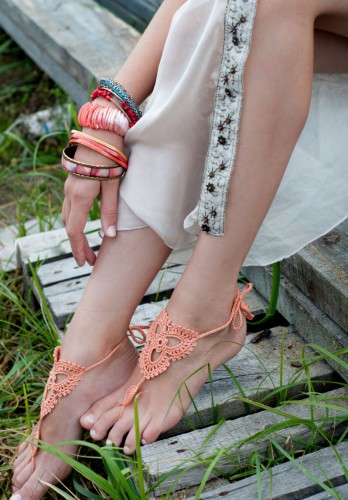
x=159, y=333
x=55, y=390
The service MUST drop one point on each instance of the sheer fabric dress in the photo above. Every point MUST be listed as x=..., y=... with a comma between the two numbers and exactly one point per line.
x=182, y=151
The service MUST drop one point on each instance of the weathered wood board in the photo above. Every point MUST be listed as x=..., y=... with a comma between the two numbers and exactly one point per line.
x=342, y=491
x=63, y=282
x=137, y=13
x=73, y=42
x=320, y=270
x=287, y=482
x=186, y=452
x=300, y=311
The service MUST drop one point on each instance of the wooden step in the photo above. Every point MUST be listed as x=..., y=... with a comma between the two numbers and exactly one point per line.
x=320, y=270
x=137, y=13
x=286, y=481
x=75, y=42
x=186, y=452
x=300, y=311
x=62, y=282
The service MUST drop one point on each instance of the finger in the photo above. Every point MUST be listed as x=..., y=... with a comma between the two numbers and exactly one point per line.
x=108, y=207
x=65, y=211
x=80, y=198
x=90, y=255
x=74, y=227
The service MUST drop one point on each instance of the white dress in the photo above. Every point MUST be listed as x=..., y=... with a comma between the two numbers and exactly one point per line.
x=182, y=151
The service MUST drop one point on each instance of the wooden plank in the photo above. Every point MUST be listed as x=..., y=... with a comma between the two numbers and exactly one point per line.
x=49, y=31
x=63, y=297
x=342, y=491
x=186, y=452
x=54, y=245
x=51, y=245
x=187, y=492
x=137, y=13
x=323, y=464
x=320, y=270
x=298, y=309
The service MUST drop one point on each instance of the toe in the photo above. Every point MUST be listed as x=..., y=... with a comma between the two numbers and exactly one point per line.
x=23, y=447
x=32, y=489
x=120, y=429
x=130, y=442
x=96, y=412
x=23, y=457
x=151, y=432
x=21, y=476
x=105, y=422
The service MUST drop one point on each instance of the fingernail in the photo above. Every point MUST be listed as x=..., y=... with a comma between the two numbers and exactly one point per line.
x=89, y=418
x=127, y=451
x=111, y=231
x=16, y=496
x=108, y=442
x=143, y=441
x=93, y=433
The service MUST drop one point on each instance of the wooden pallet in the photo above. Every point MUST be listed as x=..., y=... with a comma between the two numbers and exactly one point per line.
x=313, y=288
x=258, y=373
x=137, y=13
x=75, y=42
x=314, y=292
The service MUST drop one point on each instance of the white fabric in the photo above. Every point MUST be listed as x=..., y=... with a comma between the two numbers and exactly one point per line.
x=168, y=147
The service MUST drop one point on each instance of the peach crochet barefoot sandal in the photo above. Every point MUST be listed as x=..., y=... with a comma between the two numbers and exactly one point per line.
x=162, y=329
x=55, y=390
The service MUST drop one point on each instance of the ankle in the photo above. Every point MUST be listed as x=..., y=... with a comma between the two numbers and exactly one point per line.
x=201, y=308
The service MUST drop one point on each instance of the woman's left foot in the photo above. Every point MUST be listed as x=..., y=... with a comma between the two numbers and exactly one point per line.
x=164, y=399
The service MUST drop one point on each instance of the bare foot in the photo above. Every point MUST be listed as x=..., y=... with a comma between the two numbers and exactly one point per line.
x=164, y=399
x=63, y=423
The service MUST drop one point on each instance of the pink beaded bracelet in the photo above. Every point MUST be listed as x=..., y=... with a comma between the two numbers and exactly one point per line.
x=88, y=171
x=100, y=117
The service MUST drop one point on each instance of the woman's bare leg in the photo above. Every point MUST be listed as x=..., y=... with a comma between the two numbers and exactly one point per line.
x=277, y=81
x=123, y=271
x=208, y=285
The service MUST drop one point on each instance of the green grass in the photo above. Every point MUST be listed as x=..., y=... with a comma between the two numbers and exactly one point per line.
x=33, y=185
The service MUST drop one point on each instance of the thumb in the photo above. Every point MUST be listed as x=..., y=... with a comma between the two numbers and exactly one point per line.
x=108, y=207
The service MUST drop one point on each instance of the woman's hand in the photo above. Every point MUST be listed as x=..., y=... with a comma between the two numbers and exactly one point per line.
x=79, y=196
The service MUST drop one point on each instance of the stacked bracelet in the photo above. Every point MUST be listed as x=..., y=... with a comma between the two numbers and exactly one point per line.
x=109, y=96
x=100, y=117
x=88, y=171
x=99, y=146
x=126, y=100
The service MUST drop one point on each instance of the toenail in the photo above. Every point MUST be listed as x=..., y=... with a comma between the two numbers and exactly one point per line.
x=143, y=441
x=127, y=450
x=89, y=418
x=16, y=496
x=108, y=442
x=93, y=434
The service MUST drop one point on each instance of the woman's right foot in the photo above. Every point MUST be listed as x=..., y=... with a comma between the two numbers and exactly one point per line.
x=62, y=424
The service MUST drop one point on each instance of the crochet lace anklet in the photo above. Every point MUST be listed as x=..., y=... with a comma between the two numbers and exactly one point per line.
x=55, y=390
x=162, y=329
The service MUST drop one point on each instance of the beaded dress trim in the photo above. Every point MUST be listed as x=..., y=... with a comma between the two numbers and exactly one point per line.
x=239, y=22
